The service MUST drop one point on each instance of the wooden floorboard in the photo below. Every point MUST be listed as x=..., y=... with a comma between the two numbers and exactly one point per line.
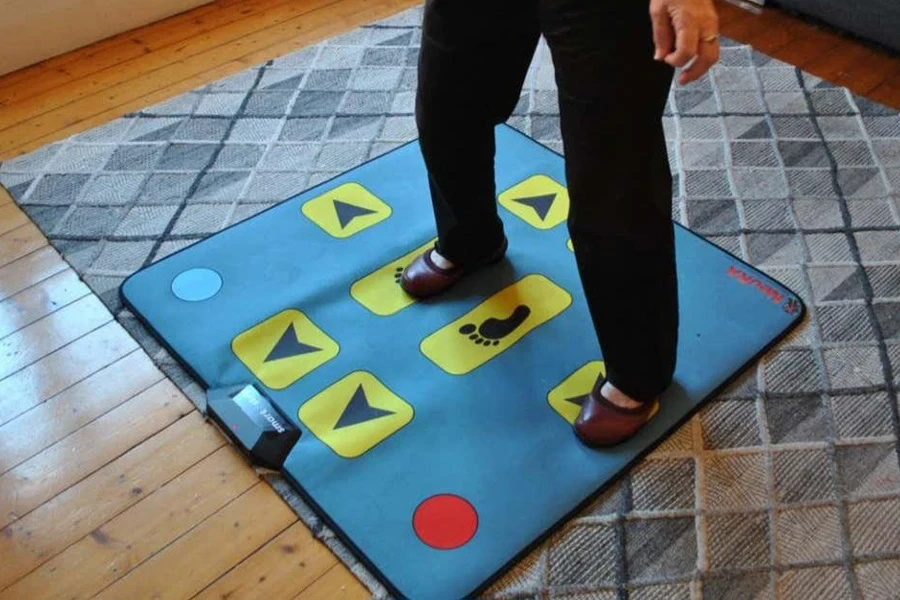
x=296, y=28
x=166, y=63
x=336, y=584
x=285, y=567
x=223, y=540
x=54, y=74
x=86, y=506
x=20, y=242
x=11, y=216
x=40, y=300
x=51, y=333
x=25, y=272
x=111, y=484
x=42, y=477
x=110, y=552
x=56, y=372
x=74, y=408
x=834, y=56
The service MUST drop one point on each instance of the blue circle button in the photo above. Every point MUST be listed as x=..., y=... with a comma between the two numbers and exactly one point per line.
x=196, y=285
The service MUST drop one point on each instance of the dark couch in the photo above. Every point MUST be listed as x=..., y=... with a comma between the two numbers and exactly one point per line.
x=875, y=20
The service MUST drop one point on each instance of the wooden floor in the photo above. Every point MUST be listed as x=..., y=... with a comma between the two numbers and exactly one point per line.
x=111, y=485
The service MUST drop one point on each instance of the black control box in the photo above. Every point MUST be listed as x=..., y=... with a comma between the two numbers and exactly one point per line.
x=246, y=415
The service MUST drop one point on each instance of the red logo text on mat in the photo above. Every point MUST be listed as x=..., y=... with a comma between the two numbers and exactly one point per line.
x=770, y=292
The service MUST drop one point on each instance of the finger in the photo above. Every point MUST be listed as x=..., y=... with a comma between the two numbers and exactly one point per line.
x=707, y=56
x=663, y=33
x=694, y=72
x=686, y=39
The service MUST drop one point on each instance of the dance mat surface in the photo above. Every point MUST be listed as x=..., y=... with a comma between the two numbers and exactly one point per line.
x=436, y=435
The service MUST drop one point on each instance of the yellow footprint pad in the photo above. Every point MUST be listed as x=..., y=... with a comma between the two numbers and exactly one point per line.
x=495, y=325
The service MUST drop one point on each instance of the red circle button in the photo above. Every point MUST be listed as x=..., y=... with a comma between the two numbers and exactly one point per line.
x=445, y=521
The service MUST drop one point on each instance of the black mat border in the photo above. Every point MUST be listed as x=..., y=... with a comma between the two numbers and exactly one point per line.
x=342, y=536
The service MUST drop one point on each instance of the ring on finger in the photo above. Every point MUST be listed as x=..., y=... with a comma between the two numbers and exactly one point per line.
x=711, y=38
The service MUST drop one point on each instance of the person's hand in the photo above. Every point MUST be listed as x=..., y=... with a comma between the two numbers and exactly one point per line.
x=686, y=34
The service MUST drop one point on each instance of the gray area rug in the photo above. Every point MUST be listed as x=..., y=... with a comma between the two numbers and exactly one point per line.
x=786, y=486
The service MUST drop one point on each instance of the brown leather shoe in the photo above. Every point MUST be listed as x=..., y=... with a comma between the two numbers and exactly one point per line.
x=422, y=278
x=601, y=423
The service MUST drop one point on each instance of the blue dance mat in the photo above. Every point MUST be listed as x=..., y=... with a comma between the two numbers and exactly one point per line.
x=436, y=436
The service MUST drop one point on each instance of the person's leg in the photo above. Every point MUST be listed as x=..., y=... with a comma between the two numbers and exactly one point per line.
x=473, y=62
x=612, y=94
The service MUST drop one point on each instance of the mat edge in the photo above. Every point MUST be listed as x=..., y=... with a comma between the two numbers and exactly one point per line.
x=338, y=532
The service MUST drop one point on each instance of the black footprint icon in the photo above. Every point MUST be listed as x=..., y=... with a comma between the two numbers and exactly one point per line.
x=491, y=331
x=398, y=274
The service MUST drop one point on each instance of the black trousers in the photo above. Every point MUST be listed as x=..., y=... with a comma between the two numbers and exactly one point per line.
x=473, y=63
